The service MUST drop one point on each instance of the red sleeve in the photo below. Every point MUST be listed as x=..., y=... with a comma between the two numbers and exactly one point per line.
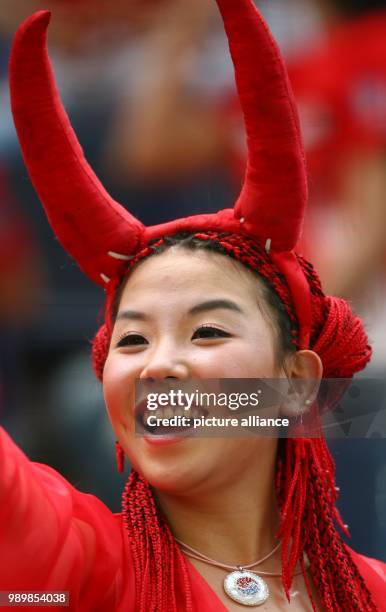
x=53, y=537
x=374, y=575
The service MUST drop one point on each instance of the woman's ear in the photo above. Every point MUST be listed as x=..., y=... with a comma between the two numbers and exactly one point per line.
x=305, y=364
x=304, y=370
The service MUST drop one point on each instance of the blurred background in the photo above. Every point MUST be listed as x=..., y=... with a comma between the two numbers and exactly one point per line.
x=149, y=87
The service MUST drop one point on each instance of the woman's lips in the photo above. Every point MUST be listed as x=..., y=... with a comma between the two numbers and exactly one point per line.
x=167, y=439
x=159, y=430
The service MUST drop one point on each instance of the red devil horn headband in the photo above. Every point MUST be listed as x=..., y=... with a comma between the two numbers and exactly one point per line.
x=88, y=222
x=84, y=217
x=274, y=194
x=100, y=233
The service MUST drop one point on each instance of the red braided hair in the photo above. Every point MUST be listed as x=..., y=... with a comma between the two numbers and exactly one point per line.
x=305, y=477
x=158, y=561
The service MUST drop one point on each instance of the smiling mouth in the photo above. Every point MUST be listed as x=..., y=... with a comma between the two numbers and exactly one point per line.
x=166, y=421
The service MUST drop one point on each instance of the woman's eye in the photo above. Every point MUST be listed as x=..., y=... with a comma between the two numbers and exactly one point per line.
x=208, y=331
x=132, y=340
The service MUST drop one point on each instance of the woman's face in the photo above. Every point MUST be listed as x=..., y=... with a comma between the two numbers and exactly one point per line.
x=188, y=315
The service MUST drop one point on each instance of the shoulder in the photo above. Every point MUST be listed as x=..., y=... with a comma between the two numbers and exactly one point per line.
x=373, y=572
x=94, y=540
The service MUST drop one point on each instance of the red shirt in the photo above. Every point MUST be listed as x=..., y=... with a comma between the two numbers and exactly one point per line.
x=55, y=538
x=340, y=88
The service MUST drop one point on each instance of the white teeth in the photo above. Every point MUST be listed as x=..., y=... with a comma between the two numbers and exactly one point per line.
x=196, y=413
x=168, y=413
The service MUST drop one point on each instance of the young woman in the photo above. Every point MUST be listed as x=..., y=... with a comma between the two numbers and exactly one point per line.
x=211, y=296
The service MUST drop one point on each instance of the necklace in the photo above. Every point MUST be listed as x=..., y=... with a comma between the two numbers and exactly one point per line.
x=243, y=586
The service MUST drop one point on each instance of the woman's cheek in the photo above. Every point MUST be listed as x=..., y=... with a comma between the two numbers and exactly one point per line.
x=119, y=386
x=237, y=361
x=217, y=361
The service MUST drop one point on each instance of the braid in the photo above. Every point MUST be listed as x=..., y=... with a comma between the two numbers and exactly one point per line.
x=158, y=561
x=311, y=490
x=305, y=476
x=335, y=574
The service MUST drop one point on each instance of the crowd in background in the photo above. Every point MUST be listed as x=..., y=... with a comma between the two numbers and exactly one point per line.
x=150, y=92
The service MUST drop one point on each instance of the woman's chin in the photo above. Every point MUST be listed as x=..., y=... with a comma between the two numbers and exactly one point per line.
x=173, y=481
x=170, y=466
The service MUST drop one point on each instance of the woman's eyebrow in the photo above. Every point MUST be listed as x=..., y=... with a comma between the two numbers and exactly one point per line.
x=133, y=315
x=136, y=315
x=214, y=305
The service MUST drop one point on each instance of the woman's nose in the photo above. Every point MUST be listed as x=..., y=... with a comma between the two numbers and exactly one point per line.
x=165, y=363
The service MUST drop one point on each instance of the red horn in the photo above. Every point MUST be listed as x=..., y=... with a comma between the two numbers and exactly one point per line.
x=97, y=231
x=274, y=194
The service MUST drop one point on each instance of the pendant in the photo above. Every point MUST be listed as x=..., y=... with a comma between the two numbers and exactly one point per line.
x=246, y=588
